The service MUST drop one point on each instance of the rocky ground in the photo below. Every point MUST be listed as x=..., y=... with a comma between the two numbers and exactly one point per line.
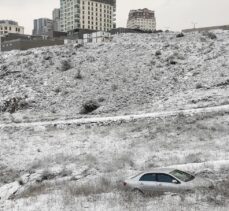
x=66, y=165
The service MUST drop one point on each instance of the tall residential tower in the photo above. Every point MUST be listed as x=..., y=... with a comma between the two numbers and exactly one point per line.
x=143, y=19
x=87, y=14
x=42, y=26
x=56, y=19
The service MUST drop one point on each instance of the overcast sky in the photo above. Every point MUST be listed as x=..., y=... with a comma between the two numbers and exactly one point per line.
x=172, y=14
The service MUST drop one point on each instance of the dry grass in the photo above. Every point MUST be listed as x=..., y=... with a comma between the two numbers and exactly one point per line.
x=103, y=185
x=35, y=190
x=57, y=159
x=119, y=161
x=219, y=196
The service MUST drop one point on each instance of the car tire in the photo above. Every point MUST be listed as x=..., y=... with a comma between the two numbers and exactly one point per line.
x=138, y=192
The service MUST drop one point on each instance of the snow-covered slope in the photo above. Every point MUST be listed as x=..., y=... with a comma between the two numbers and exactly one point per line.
x=82, y=167
x=79, y=164
x=134, y=73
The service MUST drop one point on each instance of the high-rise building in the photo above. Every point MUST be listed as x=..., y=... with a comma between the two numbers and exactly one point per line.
x=143, y=19
x=87, y=14
x=56, y=19
x=9, y=26
x=42, y=26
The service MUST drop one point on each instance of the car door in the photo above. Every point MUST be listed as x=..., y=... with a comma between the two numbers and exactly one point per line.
x=148, y=183
x=167, y=183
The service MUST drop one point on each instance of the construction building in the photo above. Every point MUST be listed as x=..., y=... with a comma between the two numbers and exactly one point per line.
x=42, y=26
x=121, y=30
x=10, y=42
x=56, y=20
x=96, y=15
x=9, y=26
x=143, y=19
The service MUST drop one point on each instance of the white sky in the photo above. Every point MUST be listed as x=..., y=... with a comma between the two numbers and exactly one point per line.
x=172, y=14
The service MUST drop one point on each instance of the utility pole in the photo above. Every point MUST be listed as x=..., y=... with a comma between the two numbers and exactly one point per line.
x=194, y=25
x=0, y=43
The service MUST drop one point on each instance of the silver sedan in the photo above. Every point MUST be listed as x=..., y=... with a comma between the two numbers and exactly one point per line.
x=165, y=180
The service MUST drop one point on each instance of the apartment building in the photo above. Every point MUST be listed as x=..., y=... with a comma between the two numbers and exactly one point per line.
x=56, y=19
x=42, y=26
x=143, y=19
x=87, y=14
x=9, y=26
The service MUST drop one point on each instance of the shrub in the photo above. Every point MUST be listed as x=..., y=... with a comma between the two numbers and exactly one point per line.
x=180, y=35
x=14, y=104
x=89, y=106
x=210, y=35
x=173, y=62
x=158, y=53
x=78, y=75
x=20, y=181
x=65, y=65
x=46, y=175
x=114, y=87
x=57, y=90
x=101, y=99
x=78, y=46
x=199, y=86
x=224, y=83
x=47, y=57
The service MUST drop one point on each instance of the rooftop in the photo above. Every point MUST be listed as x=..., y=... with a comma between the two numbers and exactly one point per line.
x=142, y=10
x=9, y=22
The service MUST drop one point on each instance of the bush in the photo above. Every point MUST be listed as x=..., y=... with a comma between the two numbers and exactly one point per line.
x=173, y=62
x=57, y=90
x=158, y=53
x=65, y=65
x=78, y=75
x=46, y=175
x=101, y=99
x=20, y=181
x=89, y=106
x=210, y=35
x=14, y=104
x=199, y=86
x=180, y=35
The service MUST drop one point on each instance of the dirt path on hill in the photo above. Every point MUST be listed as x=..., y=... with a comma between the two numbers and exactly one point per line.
x=126, y=118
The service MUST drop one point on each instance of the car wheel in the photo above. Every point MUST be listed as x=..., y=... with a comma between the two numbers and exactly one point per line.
x=138, y=192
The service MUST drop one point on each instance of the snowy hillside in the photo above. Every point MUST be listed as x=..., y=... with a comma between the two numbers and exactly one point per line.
x=134, y=73
x=176, y=90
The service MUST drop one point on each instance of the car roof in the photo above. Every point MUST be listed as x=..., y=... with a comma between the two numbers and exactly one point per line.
x=160, y=170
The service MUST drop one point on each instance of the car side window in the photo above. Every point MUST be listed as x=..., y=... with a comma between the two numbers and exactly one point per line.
x=148, y=177
x=165, y=178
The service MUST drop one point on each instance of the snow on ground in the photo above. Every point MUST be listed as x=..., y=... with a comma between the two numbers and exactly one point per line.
x=126, y=76
x=65, y=166
x=111, y=153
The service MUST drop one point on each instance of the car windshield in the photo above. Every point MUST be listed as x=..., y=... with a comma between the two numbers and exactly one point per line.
x=183, y=176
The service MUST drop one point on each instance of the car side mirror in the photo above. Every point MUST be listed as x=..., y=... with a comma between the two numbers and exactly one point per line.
x=174, y=181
